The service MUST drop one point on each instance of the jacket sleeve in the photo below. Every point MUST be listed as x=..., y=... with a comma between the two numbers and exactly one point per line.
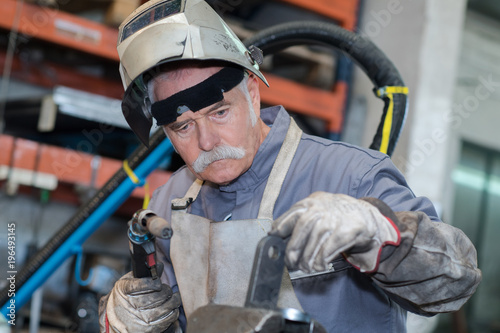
x=434, y=267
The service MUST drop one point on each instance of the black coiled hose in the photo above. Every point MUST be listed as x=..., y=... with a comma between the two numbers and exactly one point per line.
x=369, y=57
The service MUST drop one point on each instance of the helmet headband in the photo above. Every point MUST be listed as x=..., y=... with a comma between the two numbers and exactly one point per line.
x=197, y=97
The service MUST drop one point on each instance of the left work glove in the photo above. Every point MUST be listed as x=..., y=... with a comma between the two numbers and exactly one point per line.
x=324, y=225
x=139, y=305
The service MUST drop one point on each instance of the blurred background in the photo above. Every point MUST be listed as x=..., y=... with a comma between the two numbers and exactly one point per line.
x=62, y=135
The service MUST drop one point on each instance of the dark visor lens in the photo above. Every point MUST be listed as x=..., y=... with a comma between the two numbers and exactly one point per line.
x=150, y=16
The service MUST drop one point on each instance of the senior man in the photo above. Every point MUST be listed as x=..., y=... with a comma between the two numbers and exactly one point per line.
x=363, y=249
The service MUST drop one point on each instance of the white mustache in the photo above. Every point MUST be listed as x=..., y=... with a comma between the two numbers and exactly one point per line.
x=218, y=153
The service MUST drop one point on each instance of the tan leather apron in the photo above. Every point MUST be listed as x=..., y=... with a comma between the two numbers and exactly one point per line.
x=213, y=260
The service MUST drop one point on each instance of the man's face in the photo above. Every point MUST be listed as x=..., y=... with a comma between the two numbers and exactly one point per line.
x=205, y=132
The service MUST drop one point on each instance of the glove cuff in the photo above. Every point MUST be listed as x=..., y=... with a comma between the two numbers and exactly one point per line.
x=387, y=234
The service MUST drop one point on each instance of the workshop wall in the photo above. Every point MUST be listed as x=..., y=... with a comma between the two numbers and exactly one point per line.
x=474, y=160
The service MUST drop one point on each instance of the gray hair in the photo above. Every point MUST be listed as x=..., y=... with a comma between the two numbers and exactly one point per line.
x=243, y=86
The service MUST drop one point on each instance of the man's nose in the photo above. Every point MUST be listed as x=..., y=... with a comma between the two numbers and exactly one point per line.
x=208, y=137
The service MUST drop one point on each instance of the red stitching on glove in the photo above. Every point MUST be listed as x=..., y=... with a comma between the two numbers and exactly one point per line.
x=380, y=250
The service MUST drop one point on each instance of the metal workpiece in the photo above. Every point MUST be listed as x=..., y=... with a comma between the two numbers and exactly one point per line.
x=229, y=319
x=267, y=272
x=260, y=313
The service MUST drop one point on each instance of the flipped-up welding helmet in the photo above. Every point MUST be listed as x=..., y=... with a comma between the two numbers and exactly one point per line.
x=162, y=31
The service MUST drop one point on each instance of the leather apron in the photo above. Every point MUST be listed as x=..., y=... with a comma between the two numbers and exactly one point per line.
x=213, y=260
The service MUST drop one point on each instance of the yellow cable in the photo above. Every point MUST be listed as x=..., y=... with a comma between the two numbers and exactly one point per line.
x=397, y=90
x=386, y=130
x=145, y=203
x=130, y=173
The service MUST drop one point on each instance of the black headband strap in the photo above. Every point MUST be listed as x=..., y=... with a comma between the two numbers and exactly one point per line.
x=197, y=97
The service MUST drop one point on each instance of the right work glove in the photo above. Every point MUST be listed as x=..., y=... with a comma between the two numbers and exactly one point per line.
x=139, y=305
x=324, y=225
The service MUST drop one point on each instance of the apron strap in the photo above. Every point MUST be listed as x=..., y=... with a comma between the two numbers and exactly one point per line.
x=189, y=197
x=279, y=171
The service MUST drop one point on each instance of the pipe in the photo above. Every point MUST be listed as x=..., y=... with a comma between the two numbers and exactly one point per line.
x=86, y=220
x=367, y=55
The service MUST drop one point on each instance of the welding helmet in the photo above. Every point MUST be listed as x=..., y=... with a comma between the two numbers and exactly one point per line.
x=162, y=31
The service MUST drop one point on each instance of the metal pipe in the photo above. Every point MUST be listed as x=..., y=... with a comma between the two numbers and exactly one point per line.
x=94, y=220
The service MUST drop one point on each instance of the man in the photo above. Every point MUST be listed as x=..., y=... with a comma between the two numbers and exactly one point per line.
x=362, y=248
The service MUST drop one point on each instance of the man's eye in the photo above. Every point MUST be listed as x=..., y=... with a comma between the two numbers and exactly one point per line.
x=221, y=112
x=183, y=128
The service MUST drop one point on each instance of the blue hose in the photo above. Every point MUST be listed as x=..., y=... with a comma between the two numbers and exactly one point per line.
x=105, y=209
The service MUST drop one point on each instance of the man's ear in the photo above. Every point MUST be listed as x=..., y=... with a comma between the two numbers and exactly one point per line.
x=254, y=91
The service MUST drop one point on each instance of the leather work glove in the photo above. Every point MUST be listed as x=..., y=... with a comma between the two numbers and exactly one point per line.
x=325, y=225
x=139, y=305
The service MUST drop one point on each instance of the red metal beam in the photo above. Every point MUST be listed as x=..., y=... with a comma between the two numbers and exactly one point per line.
x=69, y=166
x=306, y=100
x=342, y=11
x=49, y=75
x=60, y=28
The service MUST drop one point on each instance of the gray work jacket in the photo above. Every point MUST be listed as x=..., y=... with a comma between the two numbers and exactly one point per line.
x=434, y=269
